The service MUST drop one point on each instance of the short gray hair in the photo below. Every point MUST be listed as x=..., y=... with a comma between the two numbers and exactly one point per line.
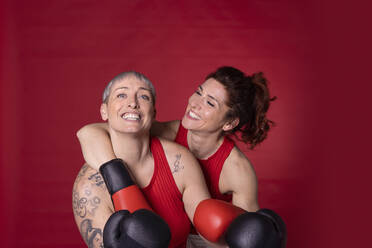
x=124, y=75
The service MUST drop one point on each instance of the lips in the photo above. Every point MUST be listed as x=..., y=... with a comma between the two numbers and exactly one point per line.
x=131, y=116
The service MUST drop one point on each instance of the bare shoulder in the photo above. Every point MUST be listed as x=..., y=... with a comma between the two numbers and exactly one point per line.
x=89, y=176
x=172, y=148
x=167, y=130
x=89, y=191
x=238, y=170
x=238, y=176
x=184, y=167
x=176, y=152
x=237, y=160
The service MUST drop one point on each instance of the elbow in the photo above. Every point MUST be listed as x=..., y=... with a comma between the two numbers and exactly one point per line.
x=82, y=132
x=79, y=133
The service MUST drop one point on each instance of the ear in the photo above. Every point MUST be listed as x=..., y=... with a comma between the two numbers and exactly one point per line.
x=103, y=111
x=230, y=125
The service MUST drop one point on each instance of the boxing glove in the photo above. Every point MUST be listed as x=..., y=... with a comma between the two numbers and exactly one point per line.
x=212, y=217
x=140, y=229
x=136, y=225
x=261, y=229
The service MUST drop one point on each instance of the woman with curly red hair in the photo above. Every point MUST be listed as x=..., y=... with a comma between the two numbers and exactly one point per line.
x=227, y=103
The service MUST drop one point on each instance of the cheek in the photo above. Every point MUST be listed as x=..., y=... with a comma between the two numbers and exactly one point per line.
x=191, y=99
x=209, y=114
x=150, y=112
x=114, y=108
x=214, y=115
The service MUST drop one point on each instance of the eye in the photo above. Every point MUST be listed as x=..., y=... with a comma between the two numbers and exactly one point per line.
x=210, y=104
x=145, y=97
x=121, y=95
x=198, y=92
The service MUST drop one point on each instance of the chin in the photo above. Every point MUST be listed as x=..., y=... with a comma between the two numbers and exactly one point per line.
x=189, y=124
x=185, y=122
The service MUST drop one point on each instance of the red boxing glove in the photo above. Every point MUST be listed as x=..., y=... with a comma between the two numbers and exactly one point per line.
x=212, y=217
x=124, y=192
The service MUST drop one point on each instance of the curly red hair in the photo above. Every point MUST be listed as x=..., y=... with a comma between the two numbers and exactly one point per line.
x=249, y=100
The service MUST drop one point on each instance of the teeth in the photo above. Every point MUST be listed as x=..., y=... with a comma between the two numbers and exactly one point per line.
x=193, y=115
x=131, y=117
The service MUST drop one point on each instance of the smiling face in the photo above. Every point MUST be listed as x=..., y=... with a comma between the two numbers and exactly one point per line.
x=130, y=106
x=207, y=109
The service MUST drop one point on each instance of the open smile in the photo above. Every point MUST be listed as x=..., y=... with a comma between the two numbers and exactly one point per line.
x=193, y=115
x=131, y=116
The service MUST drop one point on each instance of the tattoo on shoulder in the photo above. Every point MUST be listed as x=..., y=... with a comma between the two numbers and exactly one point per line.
x=93, y=237
x=84, y=169
x=81, y=173
x=86, y=204
x=97, y=179
x=176, y=166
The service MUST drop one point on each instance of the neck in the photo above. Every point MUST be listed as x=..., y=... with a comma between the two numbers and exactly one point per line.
x=204, y=144
x=134, y=149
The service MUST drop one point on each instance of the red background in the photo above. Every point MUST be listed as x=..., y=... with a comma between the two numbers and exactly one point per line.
x=57, y=56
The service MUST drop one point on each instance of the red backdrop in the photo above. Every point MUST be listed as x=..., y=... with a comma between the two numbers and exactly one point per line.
x=57, y=56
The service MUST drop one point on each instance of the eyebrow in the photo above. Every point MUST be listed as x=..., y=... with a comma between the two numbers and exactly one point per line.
x=126, y=88
x=120, y=88
x=215, y=99
x=143, y=88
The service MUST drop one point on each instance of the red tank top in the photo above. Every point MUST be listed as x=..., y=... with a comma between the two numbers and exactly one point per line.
x=213, y=165
x=165, y=198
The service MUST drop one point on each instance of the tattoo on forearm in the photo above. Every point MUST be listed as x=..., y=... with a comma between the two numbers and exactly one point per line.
x=96, y=178
x=92, y=236
x=84, y=205
x=176, y=166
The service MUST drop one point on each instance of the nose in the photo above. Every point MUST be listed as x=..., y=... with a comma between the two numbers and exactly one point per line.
x=195, y=102
x=133, y=102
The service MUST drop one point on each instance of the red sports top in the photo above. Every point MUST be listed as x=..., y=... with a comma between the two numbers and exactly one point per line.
x=165, y=198
x=213, y=165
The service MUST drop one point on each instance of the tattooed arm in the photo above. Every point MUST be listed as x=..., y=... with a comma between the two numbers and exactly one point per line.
x=91, y=205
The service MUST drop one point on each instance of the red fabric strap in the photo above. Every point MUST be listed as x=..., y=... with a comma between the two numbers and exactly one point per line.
x=130, y=198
